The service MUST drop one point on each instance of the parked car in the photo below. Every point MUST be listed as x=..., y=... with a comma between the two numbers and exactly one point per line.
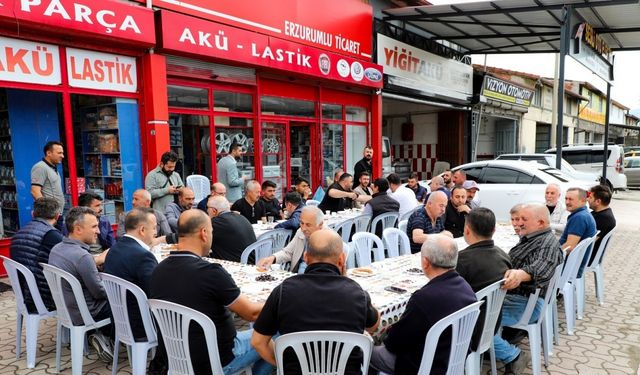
x=505, y=183
x=590, y=157
x=631, y=151
x=632, y=171
x=550, y=160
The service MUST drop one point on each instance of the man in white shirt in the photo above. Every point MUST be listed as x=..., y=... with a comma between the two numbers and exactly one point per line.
x=405, y=196
x=557, y=210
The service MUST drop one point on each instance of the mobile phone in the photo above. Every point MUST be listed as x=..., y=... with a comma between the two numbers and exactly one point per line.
x=395, y=289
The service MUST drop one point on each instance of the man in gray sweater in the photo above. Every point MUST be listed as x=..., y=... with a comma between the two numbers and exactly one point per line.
x=163, y=182
x=72, y=255
x=228, y=173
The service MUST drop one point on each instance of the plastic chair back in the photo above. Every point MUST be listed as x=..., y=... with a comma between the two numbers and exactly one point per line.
x=572, y=262
x=439, y=167
x=350, y=256
x=361, y=223
x=402, y=225
x=344, y=228
x=312, y=202
x=363, y=244
x=318, y=196
x=262, y=249
x=407, y=215
x=493, y=296
x=323, y=352
x=600, y=252
x=174, y=320
x=387, y=220
x=462, y=323
x=397, y=242
x=200, y=185
x=13, y=270
x=280, y=237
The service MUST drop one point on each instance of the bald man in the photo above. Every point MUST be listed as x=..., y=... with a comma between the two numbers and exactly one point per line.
x=142, y=199
x=217, y=189
x=427, y=221
x=186, y=199
x=534, y=261
x=320, y=299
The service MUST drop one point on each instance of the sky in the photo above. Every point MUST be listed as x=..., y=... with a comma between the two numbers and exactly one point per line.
x=625, y=88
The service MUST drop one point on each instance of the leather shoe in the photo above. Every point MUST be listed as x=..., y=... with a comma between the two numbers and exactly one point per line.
x=518, y=365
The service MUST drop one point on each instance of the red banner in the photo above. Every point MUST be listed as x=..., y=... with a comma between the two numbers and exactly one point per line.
x=341, y=26
x=193, y=36
x=107, y=18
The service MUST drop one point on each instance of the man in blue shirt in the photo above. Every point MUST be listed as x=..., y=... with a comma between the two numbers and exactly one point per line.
x=424, y=222
x=420, y=191
x=293, y=206
x=580, y=223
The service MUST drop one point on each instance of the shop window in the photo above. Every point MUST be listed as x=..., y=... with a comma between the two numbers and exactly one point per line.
x=356, y=140
x=358, y=114
x=188, y=97
x=272, y=105
x=274, y=155
x=238, y=130
x=332, y=111
x=107, y=147
x=227, y=101
x=190, y=139
x=332, y=151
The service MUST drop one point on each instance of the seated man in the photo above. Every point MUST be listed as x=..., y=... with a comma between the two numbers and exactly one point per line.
x=303, y=188
x=217, y=188
x=534, y=261
x=72, y=255
x=516, y=222
x=456, y=212
x=320, y=299
x=186, y=199
x=472, y=199
x=599, y=201
x=293, y=207
x=131, y=259
x=580, y=223
x=187, y=279
x=445, y=293
x=106, y=239
x=419, y=190
x=250, y=206
x=269, y=200
x=339, y=195
x=402, y=194
x=363, y=189
x=446, y=176
x=142, y=199
x=427, y=221
x=437, y=184
x=311, y=220
x=32, y=244
x=556, y=208
x=233, y=232
x=380, y=202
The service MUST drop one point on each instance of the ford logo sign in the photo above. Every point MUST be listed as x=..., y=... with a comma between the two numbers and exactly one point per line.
x=373, y=74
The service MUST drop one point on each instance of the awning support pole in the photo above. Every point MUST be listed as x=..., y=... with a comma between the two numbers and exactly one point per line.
x=564, y=49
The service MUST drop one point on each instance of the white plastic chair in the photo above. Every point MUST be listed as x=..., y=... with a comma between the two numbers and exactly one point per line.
x=402, y=225
x=311, y=202
x=32, y=320
x=54, y=277
x=568, y=282
x=280, y=237
x=350, y=256
x=262, y=248
x=344, y=228
x=597, y=268
x=407, y=215
x=462, y=323
x=361, y=223
x=493, y=296
x=539, y=335
x=174, y=320
x=117, y=289
x=439, y=167
x=363, y=244
x=323, y=352
x=579, y=282
x=396, y=241
x=387, y=220
x=200, y=185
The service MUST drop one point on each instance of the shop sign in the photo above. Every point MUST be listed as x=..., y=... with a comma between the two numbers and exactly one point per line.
x=507, y=92
x=29, y=62
x=114, y=19
x=341, y=26
x=102, y=71
x=591, y=115
x=590, y=50
x=204, y=38
x=420, y=70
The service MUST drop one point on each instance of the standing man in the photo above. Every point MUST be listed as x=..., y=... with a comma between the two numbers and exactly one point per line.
x=425, y=222
x=32, y=244
x=320, y=299
x=446, y=176
x=250, y=206
x=293, y=206
x=106, y=238
x=445, y=293
x=599, y=200
x=233, y=232
x=228, y=174
x=472, y=188
x=187, y=279
x=131, y=259
x=45, y=180
x=163, y=182
x=364, y=164
x=456, y=212
x=419, y=190
x=459, y=177
x=216, y=189
x=269, y=200
x=72, y=255
x=402, y=194
x=186, y=198
x=556, y=208
x=363, y=188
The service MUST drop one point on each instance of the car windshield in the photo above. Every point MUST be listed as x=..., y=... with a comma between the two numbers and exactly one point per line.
x=556, y=174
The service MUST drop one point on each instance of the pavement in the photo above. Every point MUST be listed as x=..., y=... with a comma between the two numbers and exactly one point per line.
x=606, y=341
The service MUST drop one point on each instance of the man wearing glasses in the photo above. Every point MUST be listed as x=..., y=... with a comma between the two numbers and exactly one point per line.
x=232, y=232
x=217, y=189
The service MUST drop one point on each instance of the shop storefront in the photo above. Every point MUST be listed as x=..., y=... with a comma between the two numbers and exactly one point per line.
x=71, y=73
x=290, y=84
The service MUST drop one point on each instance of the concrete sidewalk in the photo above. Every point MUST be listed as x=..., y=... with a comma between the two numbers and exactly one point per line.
x=606, y=341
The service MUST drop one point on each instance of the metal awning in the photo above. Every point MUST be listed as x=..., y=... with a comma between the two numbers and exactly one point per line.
x=522, y=26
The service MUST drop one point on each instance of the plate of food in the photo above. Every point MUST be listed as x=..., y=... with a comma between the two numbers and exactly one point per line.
x=362, y=272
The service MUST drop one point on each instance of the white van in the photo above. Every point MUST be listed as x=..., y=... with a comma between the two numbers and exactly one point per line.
x=387, y=159
x=590, y=157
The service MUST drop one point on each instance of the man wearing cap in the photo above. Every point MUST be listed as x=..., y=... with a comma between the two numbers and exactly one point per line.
x=472, y=188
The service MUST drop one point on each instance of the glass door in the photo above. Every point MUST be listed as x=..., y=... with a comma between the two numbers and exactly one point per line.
x=274, y=155
x=301, y=151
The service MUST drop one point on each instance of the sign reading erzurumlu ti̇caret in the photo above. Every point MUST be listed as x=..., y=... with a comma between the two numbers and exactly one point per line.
x=507, y=92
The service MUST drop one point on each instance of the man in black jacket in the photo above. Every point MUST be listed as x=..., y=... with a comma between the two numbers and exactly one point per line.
x=232, y=231
x=269, y=200
x=456, y=212
x=380, y=202
x=363, y=165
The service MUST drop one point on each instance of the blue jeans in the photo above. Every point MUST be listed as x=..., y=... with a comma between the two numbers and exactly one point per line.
x=512, y=310
x=246, y=356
